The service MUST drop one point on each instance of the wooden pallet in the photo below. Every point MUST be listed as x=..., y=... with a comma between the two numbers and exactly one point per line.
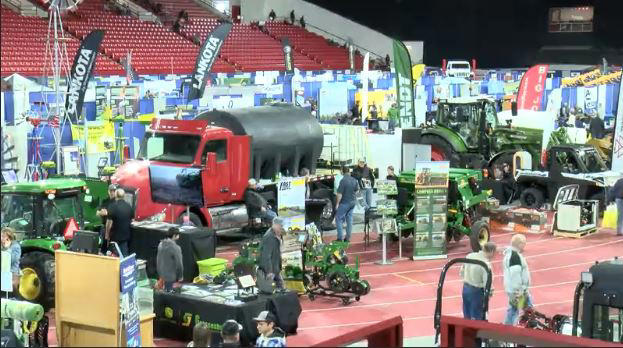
x=575, y=234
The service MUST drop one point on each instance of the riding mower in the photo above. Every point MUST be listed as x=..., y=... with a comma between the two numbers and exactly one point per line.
x=466, y=204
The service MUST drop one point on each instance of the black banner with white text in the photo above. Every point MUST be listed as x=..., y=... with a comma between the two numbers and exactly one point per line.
x=81, y=71
x=208, y=54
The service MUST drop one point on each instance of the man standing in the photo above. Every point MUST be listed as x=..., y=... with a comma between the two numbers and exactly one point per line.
x=118, y=224
x=257, y=206
x=270, y=253
x=474, y=281
x=345, y=204
x=516, y=278
x=102, y=212
x=392, y=116
x=270, y=334
x=616, y=195
x=364, y=175
x=508, y=183
x=169, y=260
x=230, y=332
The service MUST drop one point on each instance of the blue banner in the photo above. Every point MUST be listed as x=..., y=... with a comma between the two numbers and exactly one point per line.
x=129, y=301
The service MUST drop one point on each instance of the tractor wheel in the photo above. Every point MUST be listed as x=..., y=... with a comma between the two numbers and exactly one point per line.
x=532, y=198
x=338, y=281
x=480, y=235
x=441, y=150
x=328, y=212
x=194, y=219
x=37, y=281
x=360, y=287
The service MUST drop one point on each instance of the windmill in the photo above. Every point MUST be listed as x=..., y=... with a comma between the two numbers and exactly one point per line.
x=56, y=65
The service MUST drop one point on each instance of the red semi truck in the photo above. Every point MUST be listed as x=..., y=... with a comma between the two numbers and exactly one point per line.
x=203, y=165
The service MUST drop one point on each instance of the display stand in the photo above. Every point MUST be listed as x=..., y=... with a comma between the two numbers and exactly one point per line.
x=384, y=261
x=82, y=319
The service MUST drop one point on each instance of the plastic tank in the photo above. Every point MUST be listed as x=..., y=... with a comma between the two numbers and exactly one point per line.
x=284, y=138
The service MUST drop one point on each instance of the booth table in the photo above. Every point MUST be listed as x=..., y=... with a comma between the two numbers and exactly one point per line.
x=176, y=314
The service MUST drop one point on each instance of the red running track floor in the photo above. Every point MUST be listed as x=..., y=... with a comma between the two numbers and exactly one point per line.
x=408, y=288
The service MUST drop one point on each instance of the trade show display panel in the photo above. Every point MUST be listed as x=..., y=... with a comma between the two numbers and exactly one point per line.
x=82, y=321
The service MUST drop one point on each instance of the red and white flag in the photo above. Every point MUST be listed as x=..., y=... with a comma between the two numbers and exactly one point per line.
x=531, y=88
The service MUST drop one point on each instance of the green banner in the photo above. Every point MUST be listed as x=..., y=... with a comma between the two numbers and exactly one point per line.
x=430, y=207
x=404, y=85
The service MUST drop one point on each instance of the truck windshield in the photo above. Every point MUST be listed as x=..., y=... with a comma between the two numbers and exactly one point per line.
x=166, y=147
x=17, y=212
x=459, y=66
x=592, y=161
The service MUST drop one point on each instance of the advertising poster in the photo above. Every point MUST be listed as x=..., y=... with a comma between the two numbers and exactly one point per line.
x=124, y=101
x=291, y=202
x=431, y=204
x=101, y=100
x=101, y=136
x=129, y=301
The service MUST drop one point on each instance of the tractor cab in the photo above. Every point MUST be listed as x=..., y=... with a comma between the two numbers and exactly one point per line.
x=43, y=209
x=467, y=117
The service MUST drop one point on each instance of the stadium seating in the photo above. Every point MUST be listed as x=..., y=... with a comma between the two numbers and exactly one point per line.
x=157, y=49
x=23, y=42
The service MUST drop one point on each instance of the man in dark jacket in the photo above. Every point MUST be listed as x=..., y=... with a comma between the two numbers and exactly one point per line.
x=120, y=216
x=596, y=127
x=364, y=175
x=102, y=212
x=169, y=260
x=257, y=206
x=270, y=253
x=615, y=194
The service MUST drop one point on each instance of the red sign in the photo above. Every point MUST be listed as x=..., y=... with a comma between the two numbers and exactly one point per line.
x=70, y=229
x=531, y=88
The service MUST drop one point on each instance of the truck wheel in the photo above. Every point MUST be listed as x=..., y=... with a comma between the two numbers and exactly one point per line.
x=532, y=198
x=441, y=150
x=479, y=235
x=37, y=280
x=194, y=219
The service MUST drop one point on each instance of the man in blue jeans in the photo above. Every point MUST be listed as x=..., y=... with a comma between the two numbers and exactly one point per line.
x=516, y=279
x=345, y=204
x=474, y=281
x=615, y=194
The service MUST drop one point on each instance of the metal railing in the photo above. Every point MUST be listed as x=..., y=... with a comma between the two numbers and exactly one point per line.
x=328, y=35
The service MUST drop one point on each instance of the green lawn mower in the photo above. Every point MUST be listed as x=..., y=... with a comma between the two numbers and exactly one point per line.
x=465, y=204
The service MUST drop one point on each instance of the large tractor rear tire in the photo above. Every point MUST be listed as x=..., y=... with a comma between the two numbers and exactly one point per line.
x=37, y=280
x=480, y=235
x=441, y=150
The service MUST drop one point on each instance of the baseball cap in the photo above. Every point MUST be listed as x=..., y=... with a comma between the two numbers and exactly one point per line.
x=278, y=221
x=265, y=316
x=231, y=327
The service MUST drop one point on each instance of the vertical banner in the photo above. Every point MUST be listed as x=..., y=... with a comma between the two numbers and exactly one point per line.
x=531, y=88
x=208, y=53
x=129, y=301
x=430, y=209
x=130, y=74
x=351, y=56
x=404, y=85
x=590, y=100
x=81, y=71
x=287, y=55
x=617, y=146
x=291, y=202
x=364, y=84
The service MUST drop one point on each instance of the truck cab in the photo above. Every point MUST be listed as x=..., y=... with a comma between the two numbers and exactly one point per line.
x=459, y=68
x=566, y=164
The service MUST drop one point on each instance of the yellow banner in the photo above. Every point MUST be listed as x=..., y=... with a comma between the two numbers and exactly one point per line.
x=101, y=137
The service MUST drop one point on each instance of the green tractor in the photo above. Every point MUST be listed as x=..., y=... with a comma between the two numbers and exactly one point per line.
x=466, y=132
x=466, y=203
x=39, y=212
